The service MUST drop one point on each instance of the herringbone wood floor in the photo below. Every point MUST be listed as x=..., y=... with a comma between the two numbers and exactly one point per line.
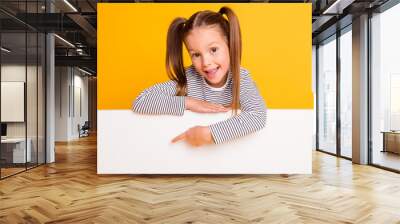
x=70, y=191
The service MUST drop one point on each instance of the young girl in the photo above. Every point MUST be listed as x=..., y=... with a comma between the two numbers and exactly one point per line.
x=214, y=82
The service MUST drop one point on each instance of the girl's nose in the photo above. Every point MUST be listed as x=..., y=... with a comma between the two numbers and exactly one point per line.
x=206, y=61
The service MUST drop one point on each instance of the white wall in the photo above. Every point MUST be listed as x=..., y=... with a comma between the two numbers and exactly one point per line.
x=12, y=101
x=33, y=127
x=62, y=81
x=71, y=87
x=16, y=73
x=80, y=84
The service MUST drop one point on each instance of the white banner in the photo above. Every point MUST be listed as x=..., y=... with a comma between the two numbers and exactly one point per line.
x=130, y=143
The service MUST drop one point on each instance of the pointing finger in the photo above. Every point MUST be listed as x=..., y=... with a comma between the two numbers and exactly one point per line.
x=179, y=137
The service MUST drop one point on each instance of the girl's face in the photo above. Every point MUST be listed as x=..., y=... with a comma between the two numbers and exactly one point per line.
x=209, y=52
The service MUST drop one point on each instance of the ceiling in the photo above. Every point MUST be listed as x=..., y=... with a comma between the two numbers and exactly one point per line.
x=72, y=20
x=76, y=22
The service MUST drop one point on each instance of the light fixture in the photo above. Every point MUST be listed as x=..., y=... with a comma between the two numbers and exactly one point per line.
x=84, y=71
x=5, y=50
x=337, y=7
x=71, y=6
x=79, y=51
x=64, y=40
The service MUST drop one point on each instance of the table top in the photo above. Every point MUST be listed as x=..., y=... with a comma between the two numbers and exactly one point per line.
x=13, y=140
x=391, y=132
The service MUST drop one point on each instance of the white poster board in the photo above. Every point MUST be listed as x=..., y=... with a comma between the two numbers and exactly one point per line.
x=129, y=143
x=12, y=101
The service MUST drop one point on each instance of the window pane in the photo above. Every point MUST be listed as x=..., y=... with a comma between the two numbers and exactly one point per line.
x=327, y=96
x=31, y=101
x=14, y=153
x=386, y=88
x=346, y=94
x=41, y=98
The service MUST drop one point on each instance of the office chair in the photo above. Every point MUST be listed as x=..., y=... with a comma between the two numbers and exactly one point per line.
x=84, y=130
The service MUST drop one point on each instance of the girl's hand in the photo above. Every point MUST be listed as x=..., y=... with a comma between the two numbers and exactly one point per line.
x=196, y=136
x=201, y=106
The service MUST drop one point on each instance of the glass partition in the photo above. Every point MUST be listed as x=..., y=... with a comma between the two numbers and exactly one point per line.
x=41, y=91
x=385, y=89
x=13, y=103
x=327, y=95
x=22, y=88
x=32, y=95
x=346, y=93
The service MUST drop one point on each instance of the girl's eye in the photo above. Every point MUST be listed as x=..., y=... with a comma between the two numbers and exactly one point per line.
x=214, y=49
x=195, y=55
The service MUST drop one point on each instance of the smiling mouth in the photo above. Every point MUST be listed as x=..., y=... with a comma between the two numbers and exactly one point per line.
x=211, y=72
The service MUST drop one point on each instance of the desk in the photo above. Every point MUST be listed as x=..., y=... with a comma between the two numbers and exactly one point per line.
x=16, y=148
x=391, y=141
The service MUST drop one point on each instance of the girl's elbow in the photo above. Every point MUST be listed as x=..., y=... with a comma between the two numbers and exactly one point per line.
x=136, y=106
x=259, y=120
x=263, y=119
x=263, y=122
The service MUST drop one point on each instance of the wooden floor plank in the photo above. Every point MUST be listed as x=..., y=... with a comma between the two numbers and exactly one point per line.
x=70, y=191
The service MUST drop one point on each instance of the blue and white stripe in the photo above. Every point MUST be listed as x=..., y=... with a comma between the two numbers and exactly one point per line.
x=161, y=99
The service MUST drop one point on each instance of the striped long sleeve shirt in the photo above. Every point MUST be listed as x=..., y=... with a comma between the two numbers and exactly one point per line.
x=161, y=99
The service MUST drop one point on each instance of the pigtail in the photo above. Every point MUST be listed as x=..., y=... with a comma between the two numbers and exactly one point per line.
x=235, y=51
x=174, y=58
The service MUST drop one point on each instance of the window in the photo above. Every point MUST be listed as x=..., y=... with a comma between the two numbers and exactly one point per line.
x=385, y=88
x=346, y=93
x=327, y=95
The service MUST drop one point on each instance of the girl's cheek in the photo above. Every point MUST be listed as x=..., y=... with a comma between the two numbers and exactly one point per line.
x=196, y=64
x=195, y=60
